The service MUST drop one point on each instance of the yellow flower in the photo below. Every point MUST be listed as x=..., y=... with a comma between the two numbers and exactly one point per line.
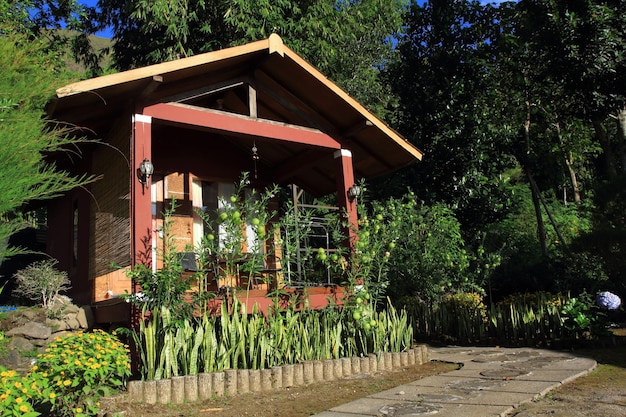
x=24, y=408
x=34, y=368
x=52, y=395
x=78, y=410
x=67, y=382
x=19, y=400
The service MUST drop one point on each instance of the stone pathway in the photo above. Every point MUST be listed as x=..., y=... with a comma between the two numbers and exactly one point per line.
x=489, y=382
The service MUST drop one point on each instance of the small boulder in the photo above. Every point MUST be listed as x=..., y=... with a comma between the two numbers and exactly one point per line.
x=85, y=317
x=31, y=330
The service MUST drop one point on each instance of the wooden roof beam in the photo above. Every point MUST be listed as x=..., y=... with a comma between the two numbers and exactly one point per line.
x=235, y=124
x=202, y=91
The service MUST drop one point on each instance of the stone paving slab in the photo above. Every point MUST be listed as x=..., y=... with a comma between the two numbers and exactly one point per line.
x=394, y=408
x=554, y=376
x=490, y=382
x=485, y=397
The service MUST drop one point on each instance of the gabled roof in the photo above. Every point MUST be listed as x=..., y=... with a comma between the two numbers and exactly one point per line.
x=287, y=88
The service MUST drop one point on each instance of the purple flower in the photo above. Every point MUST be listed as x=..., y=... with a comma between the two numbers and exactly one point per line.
x=608, y=301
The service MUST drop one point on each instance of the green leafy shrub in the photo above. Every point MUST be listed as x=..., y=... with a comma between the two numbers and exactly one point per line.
x=583, y=318
x=81, y=368
x=429, y=255
x=22, y=395
x=41, y=281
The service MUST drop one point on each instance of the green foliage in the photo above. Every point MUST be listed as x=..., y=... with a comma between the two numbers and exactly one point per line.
x=236, y=340
x=443, y=82
x=79, y=369
x=346, y=40
x=522, y=267
x=42, y=282
x=68, y=379
x=165, y=286
x=429, y=255
x=583, y=318
x=22, y=395
x=528, y=318
x=28, y=81
x=461, y=317
x=59, y=28
x=366, y=267
x=236, y=241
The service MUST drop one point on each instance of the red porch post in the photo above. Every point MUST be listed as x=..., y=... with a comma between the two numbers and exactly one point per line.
x=141, y=205
x=345, y=180
x=140, y=213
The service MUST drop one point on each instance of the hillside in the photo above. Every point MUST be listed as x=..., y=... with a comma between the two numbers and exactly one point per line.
x=99, y=44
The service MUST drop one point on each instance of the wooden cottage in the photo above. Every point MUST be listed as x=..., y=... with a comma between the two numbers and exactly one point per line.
x=188, y=129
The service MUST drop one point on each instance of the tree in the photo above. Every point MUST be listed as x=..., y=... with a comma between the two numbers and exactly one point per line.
x=29, y=74
x=445, y=84
x=42, y=21
x=583, y=46
x=491, y=95
x=348, y=41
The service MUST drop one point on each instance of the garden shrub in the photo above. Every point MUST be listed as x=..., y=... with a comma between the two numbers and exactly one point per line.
x=430, y=256
x=81, y=368
x=21, y=395
x=68, y=379
x=41, y=281
x=583, y=317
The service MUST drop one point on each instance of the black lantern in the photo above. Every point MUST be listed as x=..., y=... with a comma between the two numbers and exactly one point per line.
x=354, y=192
x=145, y=171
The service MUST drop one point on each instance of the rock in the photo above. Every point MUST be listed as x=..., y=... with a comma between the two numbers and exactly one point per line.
x=68, y=309
x=72, y=323
x=29, y=315
x=13, y=360
x=21, y=344
x=56, y=325
x=85, y=317
x=32, y=330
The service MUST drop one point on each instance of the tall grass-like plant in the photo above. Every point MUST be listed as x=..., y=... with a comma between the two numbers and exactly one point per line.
x=529, y=318
x=236, y=340
x=520, y=319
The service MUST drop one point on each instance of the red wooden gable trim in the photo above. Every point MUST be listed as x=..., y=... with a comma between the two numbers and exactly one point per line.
x=230, y=123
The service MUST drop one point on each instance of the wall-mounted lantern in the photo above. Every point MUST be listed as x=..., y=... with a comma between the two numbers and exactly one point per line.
x=354, y=192
x=145, y=171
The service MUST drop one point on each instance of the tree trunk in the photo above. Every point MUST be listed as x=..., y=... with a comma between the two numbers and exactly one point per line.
x=569, y=160
x=607, y=152
x=621, y=138
x=541, y=228
x=572, y=176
